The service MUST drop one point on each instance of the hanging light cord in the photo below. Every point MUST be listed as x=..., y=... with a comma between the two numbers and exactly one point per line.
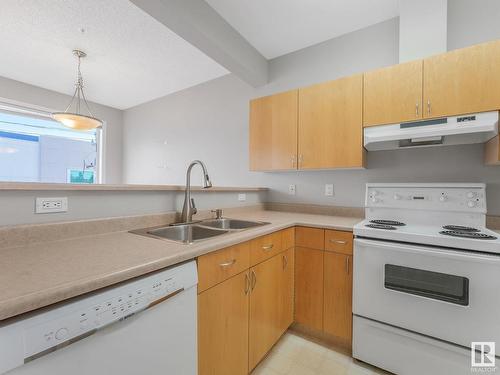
x=79, y=94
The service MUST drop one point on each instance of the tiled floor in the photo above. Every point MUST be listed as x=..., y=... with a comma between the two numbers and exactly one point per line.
x=294, y=355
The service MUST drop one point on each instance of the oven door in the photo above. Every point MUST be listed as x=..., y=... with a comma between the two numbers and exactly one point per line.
x=448, y=294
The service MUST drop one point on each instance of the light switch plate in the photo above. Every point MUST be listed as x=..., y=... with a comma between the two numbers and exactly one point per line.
x=329, y=190
x=242, y=197
x=291, y=189
x=51, y=205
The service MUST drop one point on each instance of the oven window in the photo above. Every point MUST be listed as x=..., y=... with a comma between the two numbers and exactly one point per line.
x=435, y=285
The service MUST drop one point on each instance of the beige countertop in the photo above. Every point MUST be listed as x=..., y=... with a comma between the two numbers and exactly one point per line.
x=38, y=275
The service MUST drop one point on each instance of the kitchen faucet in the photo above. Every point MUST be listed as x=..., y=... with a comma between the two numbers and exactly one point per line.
x=189, y=208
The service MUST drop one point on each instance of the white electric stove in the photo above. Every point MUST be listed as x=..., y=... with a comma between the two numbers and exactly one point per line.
x=426, y=278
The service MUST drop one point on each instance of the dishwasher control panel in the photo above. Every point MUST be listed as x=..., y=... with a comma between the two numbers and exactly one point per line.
x=49, y=330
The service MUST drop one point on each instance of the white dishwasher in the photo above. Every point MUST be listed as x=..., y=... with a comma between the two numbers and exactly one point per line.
x=144, y=326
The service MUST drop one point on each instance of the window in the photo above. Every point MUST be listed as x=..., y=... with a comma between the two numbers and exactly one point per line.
x=39, y=149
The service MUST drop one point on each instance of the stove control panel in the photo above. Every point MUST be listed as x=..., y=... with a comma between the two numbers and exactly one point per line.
x=452, y=197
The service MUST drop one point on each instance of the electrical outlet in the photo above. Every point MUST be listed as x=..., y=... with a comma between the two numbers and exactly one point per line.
x=329, y=190
x=291, y=189
x=242, y=197
x=51, y=205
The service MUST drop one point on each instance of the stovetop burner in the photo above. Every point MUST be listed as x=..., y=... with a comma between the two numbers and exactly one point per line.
x=380, y=226
x=388, y=222
x=472, y=235
x=460, y=228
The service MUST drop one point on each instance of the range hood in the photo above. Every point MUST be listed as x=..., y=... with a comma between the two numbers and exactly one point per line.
x=456, y=130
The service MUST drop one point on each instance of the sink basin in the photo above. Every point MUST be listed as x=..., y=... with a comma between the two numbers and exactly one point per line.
x=231, y=224
x=182, y=233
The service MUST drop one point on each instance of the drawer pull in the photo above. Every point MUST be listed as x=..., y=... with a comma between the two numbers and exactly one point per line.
x=267, y=247
x=227, y=264
x=347, y=264
x=339, y=242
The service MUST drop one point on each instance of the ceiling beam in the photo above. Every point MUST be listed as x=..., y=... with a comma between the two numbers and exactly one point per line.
x=200, y=25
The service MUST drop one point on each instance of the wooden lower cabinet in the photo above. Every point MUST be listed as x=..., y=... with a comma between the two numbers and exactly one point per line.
x=337, y=308
x=265, y=320
x=286, y=288
x=309, y=287
x=223, y=328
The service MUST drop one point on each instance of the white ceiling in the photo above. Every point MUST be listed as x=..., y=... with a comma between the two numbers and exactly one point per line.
x=278, y=27
x=132, y=58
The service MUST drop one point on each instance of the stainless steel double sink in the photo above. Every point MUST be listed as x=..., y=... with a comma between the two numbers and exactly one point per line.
x=198, y=231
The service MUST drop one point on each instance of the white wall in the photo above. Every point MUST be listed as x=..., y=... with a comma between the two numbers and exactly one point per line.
x=422, y=28
x=22, y=92
x=472, y=21
x=210, y=122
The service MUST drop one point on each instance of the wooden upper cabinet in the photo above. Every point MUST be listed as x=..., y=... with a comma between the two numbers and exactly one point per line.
x=273, y=132
x=393, y=94
x=331, y=124
x=492, y=151
x=463, y=81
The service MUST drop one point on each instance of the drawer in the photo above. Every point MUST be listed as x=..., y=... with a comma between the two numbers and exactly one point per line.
x=265, y=247
x=222, y=264
x=338, y=241
x=288, y=238
x=312, y=238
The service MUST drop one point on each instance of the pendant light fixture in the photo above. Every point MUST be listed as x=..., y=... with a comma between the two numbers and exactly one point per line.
x=78, y=120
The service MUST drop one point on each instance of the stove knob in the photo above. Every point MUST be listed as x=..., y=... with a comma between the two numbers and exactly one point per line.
x=397, y=197
x=471, y=204
x=443, y=198
x=375, y=200
x=471, y=194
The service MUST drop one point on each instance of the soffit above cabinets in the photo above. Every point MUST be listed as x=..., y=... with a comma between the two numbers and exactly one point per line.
x=132, y=58
x=279, y=27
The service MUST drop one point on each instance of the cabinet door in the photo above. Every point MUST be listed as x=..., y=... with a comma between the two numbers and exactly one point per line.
x=223, y=328
x=331, y=124
x=463, y=81
x=492, y=151
x=309, y=287
x=286, y=287
x=273, y=132
x=264, y=321
x=338, y=296
x=393, y=94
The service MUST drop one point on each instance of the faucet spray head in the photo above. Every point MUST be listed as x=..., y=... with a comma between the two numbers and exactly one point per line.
x=206, y=182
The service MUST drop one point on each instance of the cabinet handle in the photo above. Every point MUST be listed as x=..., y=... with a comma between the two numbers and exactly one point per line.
x=227, y=264
x=294, y=159
x=301, y=159
x=416, y=109
x=285, y=261
x=339, y=242
x=347, y=264
x=247, y=283
x=428, y=106
x=267, y=247
x=254, y=280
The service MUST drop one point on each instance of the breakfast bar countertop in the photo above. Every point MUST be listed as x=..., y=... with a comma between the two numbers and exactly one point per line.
x=40, y=274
